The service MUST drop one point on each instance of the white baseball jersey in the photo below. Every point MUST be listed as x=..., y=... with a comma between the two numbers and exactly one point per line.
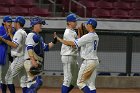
x=88, y=44
x=35, y=41
x=69, y=35
x=17, y=66
x=19, y=39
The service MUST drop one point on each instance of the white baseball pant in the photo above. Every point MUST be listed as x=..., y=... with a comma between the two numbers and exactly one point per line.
x=87, y=74
x=70, y=69
x=17, y=68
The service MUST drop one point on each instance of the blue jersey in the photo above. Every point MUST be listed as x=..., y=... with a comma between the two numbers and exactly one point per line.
x=3, y=46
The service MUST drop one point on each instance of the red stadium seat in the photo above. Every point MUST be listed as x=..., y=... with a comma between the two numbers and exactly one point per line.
x=65, y=5
x=135, y=14
x=101, y=13
x=19, y=11
x=90, y=5
x=130, y=0
x=122, y=5
x=25, y=3
x=120, y=14
x=4, y=10
x=38, y=11
x=136, y=5
x=59, y=1
x=111, y=0
x=104, y=5
x=7, y=2
x=92, y=0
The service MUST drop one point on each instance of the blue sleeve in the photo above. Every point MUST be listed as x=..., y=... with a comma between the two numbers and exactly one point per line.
x=46, y=47
x=5, y=36
x=1, y=32
x=36, y=38
x=29, y=47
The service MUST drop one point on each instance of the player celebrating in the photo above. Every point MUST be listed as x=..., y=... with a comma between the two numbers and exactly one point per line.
x=34, y=53
x=88, y=44
x=6, y=32
x=69, y=56
x=17, y=52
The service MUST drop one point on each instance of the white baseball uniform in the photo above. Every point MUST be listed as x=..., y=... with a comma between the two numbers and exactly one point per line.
x=87, y=73
x=36, y=43
x=69, y=59
x=17, y=66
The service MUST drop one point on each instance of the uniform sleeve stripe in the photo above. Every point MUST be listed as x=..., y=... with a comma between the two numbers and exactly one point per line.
x=15, y=42
x=75, y=42
x=29, y=47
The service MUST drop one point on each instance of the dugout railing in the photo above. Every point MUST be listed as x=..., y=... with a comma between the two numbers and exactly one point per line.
x=118, y=52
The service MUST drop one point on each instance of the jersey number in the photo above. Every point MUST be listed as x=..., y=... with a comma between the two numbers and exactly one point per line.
x=95, y=44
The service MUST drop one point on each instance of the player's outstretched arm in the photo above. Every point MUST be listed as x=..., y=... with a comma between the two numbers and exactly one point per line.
x=68, y=43
x=12, y=44
x=51, y=44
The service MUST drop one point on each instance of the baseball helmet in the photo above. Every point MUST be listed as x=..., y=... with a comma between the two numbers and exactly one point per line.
x=20, y=19
x=37, y=20
x=7, y=19
x=92, y=22
x=71, y=18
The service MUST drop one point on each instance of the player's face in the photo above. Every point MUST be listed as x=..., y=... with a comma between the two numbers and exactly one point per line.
x=8, y=24
x=38, y=27
x=73, y=24
x=88, y=27
x=15, y=25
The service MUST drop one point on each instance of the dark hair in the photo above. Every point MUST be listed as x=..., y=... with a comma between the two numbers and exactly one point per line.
x=93, y=27
x=21, y=24
x=68, y=23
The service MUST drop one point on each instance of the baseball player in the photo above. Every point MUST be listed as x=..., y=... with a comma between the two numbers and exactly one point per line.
x=69, y=56
x=34, y=53
x=6, y=32
x=17, y=52
x=88, y=44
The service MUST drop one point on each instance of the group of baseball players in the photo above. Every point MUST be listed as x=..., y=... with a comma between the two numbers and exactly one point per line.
x=27, y=51
x=88, y=43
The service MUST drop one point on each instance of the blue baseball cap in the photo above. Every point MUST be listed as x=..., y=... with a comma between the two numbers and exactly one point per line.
x=20, y=19
x=71, y=18
x=37, y=20
x=7, y=19
x=92, y=22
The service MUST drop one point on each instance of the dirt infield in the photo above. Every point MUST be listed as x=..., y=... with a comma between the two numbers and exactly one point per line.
x=57, y=90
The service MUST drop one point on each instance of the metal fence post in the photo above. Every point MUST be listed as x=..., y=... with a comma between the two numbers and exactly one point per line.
x=129, y=46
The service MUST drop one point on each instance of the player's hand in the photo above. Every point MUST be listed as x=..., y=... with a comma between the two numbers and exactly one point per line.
x=54, y=35
x=9, y=29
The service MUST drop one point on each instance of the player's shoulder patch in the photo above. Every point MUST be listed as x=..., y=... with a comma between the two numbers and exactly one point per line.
x=36, y=38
